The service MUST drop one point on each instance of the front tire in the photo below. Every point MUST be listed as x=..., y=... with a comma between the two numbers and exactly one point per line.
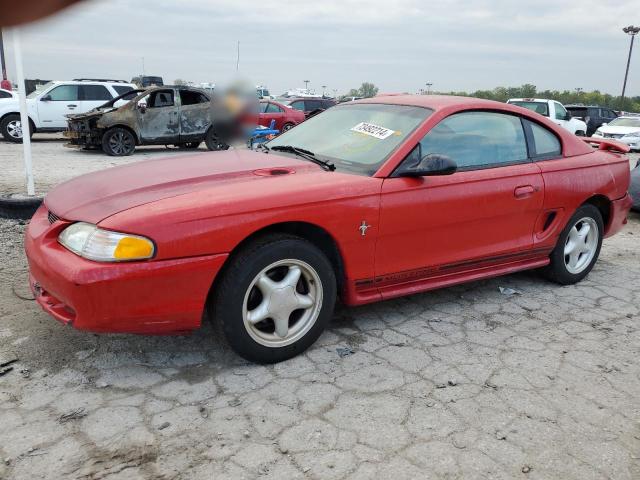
x=287, y=126
x=11, y=128
x=580, y=133
x=118, y=142
x=275, y=298
x=578, y=247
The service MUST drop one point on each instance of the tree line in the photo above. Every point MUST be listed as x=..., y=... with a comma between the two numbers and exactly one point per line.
x=502, y=94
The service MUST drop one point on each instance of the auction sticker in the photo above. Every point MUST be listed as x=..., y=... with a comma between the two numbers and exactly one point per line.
x=373, y=130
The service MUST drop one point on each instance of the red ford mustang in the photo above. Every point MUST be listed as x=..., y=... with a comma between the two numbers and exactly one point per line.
x=369, y=200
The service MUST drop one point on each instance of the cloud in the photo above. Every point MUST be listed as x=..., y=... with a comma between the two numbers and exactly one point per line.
x=399, y=45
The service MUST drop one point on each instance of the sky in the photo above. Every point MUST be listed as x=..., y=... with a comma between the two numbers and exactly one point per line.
x=399, y=45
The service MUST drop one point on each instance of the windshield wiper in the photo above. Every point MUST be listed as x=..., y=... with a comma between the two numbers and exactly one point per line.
x=306, y=154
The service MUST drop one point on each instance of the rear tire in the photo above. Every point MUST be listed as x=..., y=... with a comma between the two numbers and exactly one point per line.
x=214, y=142
x=11, y=128
x=118, y=142
x=275, y=298
x=578, y=247
x=287, y=126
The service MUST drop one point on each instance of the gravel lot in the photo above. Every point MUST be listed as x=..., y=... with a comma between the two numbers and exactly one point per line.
x=465, y=382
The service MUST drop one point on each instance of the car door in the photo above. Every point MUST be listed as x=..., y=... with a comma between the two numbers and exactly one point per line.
x=53, y=105
x=195, y=115
x=485, y=212
x=272, y=112
x=92, y=96
x=560, y=116
x=158, y=117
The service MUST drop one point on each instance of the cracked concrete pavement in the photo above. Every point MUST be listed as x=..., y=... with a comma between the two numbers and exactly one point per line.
x=464, y=382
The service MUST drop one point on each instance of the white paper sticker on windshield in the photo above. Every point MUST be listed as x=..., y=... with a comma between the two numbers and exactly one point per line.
x=373, y=130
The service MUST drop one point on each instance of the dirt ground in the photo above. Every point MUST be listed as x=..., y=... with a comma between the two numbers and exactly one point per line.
x=465, y=382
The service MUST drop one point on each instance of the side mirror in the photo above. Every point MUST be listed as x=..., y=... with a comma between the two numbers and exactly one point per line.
x=46, y=98
x=142, y=106
x=604, y=124
x=430, y=165
x=568, y=116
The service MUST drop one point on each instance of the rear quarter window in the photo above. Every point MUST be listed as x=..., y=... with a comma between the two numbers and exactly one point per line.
x=543, y=143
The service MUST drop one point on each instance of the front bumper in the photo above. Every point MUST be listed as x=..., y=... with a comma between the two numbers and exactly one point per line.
x=151, y=297
x=618, y=215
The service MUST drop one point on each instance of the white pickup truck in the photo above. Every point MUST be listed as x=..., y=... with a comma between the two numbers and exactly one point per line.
x=48, y=105
x=555, y=111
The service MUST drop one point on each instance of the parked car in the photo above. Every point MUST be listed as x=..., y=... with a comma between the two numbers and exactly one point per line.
x=48, y=105
x=350, y=99
x=553, y=110
x=368, y=201
x=145, y=81
x=623, y=129
x=179, y=116
x=7, y=94
x=311, y=106
x=592, y=115
x=285, y=117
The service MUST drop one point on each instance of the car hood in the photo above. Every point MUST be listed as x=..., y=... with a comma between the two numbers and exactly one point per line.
x=96, y=196
x=618, y=130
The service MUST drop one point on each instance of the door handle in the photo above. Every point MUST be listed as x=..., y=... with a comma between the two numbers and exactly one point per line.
x=525, y=191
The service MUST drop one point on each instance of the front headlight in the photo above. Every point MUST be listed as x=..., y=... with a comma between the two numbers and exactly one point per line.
x=632, y=136
x=94, y=243
x=598, y=132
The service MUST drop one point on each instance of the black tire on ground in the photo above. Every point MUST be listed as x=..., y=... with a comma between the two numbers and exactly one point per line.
x=7, y=128
x=580, y=133
x=557, y=270
x=214, y=142
x=118, y=142
x=226, y=304
x=287, y=126
x=18, y=207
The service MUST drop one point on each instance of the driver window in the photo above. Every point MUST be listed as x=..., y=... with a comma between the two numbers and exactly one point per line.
x=475, y=140
x=160, y=98
x=272, y=108
x=64, y=93
x=561, y=112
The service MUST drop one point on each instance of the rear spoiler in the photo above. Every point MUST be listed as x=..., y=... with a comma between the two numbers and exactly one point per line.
x=608, y=144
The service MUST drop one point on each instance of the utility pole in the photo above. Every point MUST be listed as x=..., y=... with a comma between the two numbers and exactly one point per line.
x=2, y=64
x=143, y=66
x=324, y=87
x=238, y=58
x=306, y=84
x=633, y=31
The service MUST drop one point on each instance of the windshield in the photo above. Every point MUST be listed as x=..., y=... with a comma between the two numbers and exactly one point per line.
x=356, y=137
x=539, y=107
x=625, y=122
x=39, y=89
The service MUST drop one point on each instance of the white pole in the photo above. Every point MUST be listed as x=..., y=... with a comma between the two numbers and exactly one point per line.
x=24, y=117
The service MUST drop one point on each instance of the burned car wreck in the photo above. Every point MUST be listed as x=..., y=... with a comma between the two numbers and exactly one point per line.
x=180, y=116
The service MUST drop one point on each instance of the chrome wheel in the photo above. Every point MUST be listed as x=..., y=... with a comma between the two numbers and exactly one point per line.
x=282, y=303
x=121, y=143
x=581, y=245
x=14, y=128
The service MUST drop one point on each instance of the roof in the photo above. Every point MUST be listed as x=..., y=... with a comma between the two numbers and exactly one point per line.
x=439, y=102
